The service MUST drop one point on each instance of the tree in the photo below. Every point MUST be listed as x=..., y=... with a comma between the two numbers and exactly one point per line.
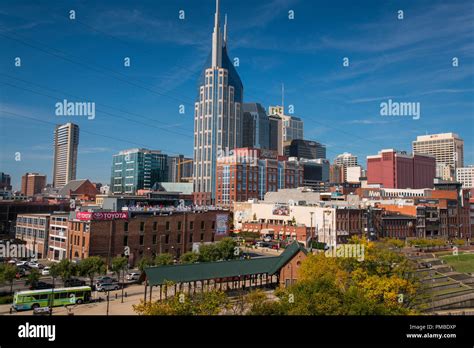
x=66, y=269
x=189, y=257
x=33, y=277
x=206, y=303
x=383, y=284
x=208, y=253
x=91, y=266
x=145, y=262
x=258, y=303
x=163, y=259
x=228, y=249
x=9, y=274
x=119, y=265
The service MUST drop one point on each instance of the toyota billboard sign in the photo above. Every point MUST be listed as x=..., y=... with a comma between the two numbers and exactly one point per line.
x=87, y=216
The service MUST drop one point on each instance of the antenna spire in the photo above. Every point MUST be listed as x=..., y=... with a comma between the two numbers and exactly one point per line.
x=225, y=30
x=216, y=40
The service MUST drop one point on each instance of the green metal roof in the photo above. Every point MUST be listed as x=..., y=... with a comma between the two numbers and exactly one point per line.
x=181, y=273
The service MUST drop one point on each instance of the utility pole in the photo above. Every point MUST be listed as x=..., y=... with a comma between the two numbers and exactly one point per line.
x=108, y=292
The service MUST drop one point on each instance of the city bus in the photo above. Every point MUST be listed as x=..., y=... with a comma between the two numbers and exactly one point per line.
x=25, y=300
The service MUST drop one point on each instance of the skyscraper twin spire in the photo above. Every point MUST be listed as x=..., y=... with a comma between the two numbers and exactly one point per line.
x=217, y=41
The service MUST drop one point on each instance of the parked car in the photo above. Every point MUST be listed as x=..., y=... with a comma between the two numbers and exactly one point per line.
x=13, y=261
x=105, y=280
x=73, y=282
x=33, y=264
x=107, y=286
x=45, y=271
x=22, y=263
x=40, y=285
x=132, y=276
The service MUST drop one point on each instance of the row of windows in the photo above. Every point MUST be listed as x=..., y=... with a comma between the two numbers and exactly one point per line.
x=165, y=238
x=179, y=225
x=31, y=221
x=30, y=232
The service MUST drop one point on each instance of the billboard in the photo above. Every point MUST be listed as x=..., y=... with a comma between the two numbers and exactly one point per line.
x=281, y=209
x=221, y=224
x=101, y=216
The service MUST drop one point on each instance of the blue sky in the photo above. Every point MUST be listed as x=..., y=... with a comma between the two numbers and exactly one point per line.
x=407, y=60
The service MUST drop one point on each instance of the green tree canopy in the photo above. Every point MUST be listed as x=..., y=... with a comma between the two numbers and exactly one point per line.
x=92, y=266
x=189, y=257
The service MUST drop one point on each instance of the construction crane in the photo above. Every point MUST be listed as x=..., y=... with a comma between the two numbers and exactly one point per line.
x=180, y=162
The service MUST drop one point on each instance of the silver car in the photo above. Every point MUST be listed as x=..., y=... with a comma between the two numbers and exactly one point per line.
x=107, y=287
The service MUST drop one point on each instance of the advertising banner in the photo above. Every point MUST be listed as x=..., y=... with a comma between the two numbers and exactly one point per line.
x=86, y=216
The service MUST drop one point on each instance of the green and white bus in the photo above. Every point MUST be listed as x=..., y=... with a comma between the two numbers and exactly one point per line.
x=25, y=300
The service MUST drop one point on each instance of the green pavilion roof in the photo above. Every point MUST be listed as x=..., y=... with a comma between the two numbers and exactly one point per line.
x=182, y=273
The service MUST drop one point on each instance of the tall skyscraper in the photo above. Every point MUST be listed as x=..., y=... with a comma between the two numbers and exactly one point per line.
x=256, y=126
x=448, y=148
x=138, y=169
x=32, y=183
x=5, y=182
x=292, y=127
x=276, y=133
x=217, y=114
x=66, y=140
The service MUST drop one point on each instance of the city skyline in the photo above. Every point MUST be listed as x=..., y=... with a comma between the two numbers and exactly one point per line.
x=339, y=105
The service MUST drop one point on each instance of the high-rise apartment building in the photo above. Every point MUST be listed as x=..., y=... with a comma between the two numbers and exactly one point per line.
x=346, y=160
x=447, y=148
x=217, y=114
x=256, y=126
x=276, y=133
x=180, y=168
x=292, y=127
x=465, y=176
x=138, y=169
x=5, y=182
x=394, y=169
x=66, y=140
x=32, y=183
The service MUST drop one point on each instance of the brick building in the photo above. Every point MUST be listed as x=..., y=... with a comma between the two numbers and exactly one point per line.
x=393, y=169
x=249, y=173
x=79, y=189
x=32, y=184
x=33, y=230
x=145, y=234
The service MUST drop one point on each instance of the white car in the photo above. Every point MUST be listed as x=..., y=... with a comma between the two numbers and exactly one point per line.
x=33, y=264
x=45, y=271
x=132, y=276
x=22, y=263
